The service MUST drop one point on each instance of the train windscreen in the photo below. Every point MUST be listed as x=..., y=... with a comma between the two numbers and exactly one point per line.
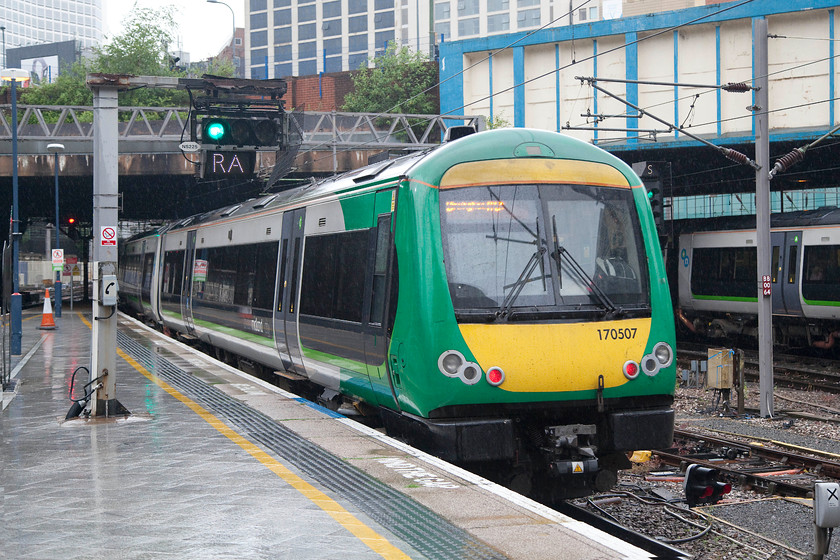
x=543, y=249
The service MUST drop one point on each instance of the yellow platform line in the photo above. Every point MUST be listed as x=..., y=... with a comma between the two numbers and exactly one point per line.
x=368, y=536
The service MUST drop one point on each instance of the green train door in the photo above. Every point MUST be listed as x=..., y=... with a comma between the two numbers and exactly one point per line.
x=378, y=299
x=786, y=260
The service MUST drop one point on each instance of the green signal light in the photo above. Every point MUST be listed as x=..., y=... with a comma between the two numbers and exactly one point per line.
x=215, y=131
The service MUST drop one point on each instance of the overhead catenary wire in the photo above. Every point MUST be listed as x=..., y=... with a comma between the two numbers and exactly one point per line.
x=389, y=112
x=731, y=86
x=600, y=54
x=797, y=154
x=734, y=87
x=728, y=153
x=749, y=115
x=558, y=69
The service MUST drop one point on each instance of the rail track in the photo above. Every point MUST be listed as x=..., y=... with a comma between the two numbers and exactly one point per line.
x=799, y=372
x=766, y=467
x=651, y=503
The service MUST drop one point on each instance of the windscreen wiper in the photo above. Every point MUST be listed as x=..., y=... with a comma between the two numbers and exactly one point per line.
x=602, y=297
x=559, y=250
x=524, y=278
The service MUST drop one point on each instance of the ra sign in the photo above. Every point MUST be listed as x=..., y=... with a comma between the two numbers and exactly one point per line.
x=227, y=164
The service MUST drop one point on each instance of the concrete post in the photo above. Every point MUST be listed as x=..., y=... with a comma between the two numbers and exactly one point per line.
x=762, y=218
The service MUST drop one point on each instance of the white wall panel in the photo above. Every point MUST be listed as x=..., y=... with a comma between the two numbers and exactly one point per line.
x=541, y=87
x=799, y=69
x=799, y=79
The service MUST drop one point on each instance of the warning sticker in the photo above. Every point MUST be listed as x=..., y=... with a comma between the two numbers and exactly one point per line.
x=108, y=236
x=577, y=467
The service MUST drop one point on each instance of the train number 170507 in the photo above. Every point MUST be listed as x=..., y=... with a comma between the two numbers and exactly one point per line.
x=617, y=334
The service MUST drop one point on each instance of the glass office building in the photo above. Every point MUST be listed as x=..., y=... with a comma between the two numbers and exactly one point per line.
x=35, y=22
x=306, y=37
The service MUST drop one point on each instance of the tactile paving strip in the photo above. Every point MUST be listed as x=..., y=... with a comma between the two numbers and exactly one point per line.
x=424, y=530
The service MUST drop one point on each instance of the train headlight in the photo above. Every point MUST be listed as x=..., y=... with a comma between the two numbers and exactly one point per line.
x=450, y=362
x=631, y=369
x=470, y=374
x=664, y=354
x=650, y=365
x=453, y=364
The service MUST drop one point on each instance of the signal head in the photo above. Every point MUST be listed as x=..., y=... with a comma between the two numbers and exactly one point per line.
x=215, y=131
x=702, y=486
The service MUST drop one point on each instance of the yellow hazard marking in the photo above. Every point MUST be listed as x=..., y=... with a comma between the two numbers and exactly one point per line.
x=368, y=536
x=577, y=467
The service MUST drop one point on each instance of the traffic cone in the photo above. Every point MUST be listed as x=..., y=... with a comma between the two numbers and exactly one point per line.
x=47, y=322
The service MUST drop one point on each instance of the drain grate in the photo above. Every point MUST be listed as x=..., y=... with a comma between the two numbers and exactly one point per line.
x=421, y=528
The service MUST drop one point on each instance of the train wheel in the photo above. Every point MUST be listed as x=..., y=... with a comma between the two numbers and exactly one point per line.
x=521, y=483
x=605, y=480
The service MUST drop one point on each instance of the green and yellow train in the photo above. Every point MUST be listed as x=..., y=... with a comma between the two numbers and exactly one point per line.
x=499, y=301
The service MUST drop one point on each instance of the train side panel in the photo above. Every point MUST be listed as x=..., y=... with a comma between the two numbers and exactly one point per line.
x=819, y=289
x=718, y=285
x=706, y=283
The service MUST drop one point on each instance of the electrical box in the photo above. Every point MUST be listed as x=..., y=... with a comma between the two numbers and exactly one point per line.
x=108, y=290
x=827, y=504
x=719, y=369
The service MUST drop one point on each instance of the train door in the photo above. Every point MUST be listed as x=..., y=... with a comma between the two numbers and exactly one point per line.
x=143, y=294
x=288, y=285
x=157, y=274
x=381, y=266
x=146, y=277
x=187, y=284
x=786, y=259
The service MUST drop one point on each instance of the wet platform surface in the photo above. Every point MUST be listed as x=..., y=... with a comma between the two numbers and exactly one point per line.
x=213, y=463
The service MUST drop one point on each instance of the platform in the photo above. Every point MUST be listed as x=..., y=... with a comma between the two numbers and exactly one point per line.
x=214, y=463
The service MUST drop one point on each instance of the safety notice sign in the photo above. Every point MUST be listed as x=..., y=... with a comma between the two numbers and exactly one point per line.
x=108, y=235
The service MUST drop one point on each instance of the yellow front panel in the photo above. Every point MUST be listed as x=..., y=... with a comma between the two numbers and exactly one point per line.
x=513, y=171
x=558, y=357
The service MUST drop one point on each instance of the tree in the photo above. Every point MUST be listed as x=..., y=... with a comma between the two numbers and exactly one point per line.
x=401, y=82
x=498, y=121
x=142, y=49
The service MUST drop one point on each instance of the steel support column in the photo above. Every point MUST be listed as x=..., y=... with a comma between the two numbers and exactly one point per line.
x=105, y=206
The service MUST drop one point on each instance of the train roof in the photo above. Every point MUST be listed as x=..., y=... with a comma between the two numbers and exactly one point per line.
x=827, y=215
x=310, y=190
x=495, y=144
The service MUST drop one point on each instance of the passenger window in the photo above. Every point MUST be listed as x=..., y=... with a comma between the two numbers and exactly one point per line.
x=380, y=269
x=295, y=263
x=333, y=281
x=282, y=278
x=776, y=264
x=792, y=265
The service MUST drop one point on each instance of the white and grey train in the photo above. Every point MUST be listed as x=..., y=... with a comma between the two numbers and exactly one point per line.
x=718, y=286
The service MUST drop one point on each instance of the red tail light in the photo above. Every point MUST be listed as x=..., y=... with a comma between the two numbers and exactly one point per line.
x=495, y=376
x=631, y=369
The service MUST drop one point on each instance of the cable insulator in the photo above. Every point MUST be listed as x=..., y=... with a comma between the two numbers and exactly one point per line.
x=790, y=159
x=739, y=87
x=787, y=161
x=735, y=156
